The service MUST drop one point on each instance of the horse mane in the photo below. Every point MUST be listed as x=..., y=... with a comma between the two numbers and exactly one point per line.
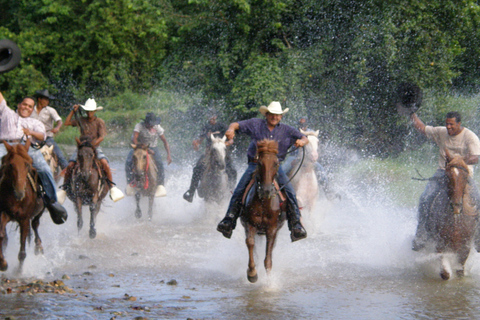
x=267, y=146
x=86, y=141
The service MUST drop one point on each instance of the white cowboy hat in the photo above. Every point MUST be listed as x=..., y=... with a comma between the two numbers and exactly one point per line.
x=274, y=108
x=91, y=105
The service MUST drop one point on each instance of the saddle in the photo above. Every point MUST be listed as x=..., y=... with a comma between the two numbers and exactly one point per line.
x=250, y=192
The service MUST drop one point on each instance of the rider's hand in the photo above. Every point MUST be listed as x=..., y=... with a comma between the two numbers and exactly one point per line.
x=169, y=159
x=26, y=131
x=230, y=134
x=196, y=145
x=300, y=143
x=75, y=107
x=229, y=142
x=54, y=130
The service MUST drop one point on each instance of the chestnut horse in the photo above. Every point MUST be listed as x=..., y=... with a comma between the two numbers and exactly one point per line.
x=214, y=182
x=19, y=200
x=265, y=209
x=452, y=218
x=144, y=177
x=87, y=185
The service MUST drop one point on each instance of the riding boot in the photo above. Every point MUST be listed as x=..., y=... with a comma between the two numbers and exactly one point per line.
x=193, y=186
x=229, y=222
x=297, y=231
x=57, y=212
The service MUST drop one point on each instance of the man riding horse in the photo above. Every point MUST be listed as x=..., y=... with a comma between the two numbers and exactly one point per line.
x=15, y=127
x=212, y=127
x=93, y=127
x=458, y=141
x=286, y=136
x=147, y=133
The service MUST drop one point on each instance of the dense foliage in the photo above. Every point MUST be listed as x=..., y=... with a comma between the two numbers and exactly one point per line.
x=338, y=61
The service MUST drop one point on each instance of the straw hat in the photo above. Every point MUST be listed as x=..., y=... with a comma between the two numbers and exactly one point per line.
x=274, y=108
x=91, y=105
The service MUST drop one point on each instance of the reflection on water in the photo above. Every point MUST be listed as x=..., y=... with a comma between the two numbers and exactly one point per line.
x=356, y=263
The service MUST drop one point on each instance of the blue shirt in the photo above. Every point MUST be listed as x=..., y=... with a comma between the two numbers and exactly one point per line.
x=258, y=130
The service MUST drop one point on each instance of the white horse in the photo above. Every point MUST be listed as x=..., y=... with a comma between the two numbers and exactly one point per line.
x=52, y=161
x=214, y=182
x=305, y=181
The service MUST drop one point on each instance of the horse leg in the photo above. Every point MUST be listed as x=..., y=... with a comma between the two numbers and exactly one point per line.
x=3, y=240
x=94, y=208
x=150, y=206
x=271, y=236
x=252, y=275
x=462, y=257
x=78, y=209
x=445, y=272
x=38, y=241
x=138, y=211
x=24, y=231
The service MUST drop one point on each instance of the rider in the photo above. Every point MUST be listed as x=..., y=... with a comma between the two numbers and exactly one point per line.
x=286, y=136
x=147, y=132
x=211, y=127
x=52, y=121
x=14, y=127
x=94, y=127
x=458, y=141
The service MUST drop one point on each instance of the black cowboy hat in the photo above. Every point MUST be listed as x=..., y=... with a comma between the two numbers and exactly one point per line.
x=409, y=97
x=151, y=119
x=44, y=93
x=10, y=55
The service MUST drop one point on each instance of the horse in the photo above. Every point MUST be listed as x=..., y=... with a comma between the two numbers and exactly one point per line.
x=52, y=161
x=144, y=177
x=20, y=200
x=88, y=185
x=214, y=181
x=305, y=181
x=264, y=212
x=452, y=217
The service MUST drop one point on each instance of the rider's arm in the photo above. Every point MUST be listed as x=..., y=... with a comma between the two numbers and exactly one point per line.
x=40, y=136
x=167, y=148
x=417, y=123
x=301, y=142
x=68, y=120
x=230, y=133
x=135, y=137
x=473, y=159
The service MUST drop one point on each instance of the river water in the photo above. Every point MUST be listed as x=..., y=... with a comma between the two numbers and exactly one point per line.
x=355, y=263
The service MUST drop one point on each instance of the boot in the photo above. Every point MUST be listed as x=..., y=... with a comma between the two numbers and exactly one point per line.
x=57, y=212
x=297, y=231
x=116, y=194
x=229, y=222
x=160, y=191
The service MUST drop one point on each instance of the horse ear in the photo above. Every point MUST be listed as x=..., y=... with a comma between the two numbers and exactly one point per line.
x=51, y=148
x=134, y=146
x=448, y=157
x=316, y=133
x=212, y=136
x=27, y=144
x=7, y=146
x=304, y=132
x=224, y=138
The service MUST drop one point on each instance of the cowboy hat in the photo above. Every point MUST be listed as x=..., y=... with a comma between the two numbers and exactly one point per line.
x=91, y=105
x=44, y=93
x=274, y=108
x=151, y=119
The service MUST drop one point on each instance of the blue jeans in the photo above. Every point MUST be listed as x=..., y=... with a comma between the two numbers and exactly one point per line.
x=62, y=161
x=43, y=170
x=158, y=162
x=236, y=200
x=99, y=151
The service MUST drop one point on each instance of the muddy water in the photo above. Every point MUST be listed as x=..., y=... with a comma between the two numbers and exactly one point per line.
x=355, y=263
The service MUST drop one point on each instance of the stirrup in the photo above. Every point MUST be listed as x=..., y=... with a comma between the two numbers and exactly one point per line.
x=61, y=196
x=189, y=195
x=116, y=194
x=160, y=191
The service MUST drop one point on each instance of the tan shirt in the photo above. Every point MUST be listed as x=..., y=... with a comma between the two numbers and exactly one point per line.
x=48, y=116
x=94, y=129
x=464, y=144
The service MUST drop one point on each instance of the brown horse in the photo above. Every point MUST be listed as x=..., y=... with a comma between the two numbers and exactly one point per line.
x=144, y=177
x=264, y=211
x=453, y=216
x=88, y=185
x=19, y=200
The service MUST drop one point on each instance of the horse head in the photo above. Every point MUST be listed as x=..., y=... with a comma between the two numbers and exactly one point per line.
x=267, y=167
x=86, y=156
x=457, y=173
x=16, y=165
x=218, y=151
x=141, y=162
x=311, y=149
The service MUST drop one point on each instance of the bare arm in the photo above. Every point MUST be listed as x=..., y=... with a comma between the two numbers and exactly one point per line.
x=417, y=123
x=471, y=159
x=135, y=137
x=40, y=136
x=58, y=125
x=167, y=148
x=68, y=120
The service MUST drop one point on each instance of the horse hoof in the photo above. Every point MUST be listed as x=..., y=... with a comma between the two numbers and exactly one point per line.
x=252, y=279
x=92, y=233
x=3, y=266
x=138, y=214
x=38, y=250
x=460, y=273
x=444, y=275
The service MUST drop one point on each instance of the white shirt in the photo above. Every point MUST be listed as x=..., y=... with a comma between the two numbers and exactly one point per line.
x=48, y=116
x=12, y=125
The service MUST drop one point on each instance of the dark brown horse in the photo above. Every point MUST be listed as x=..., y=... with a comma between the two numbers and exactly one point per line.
x=19, y=200
x=144, y=177
x=453, y=220
x=264, y=211
x=88, y=184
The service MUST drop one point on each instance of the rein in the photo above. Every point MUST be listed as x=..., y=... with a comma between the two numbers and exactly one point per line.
x=298, y=168
x=146, y=172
